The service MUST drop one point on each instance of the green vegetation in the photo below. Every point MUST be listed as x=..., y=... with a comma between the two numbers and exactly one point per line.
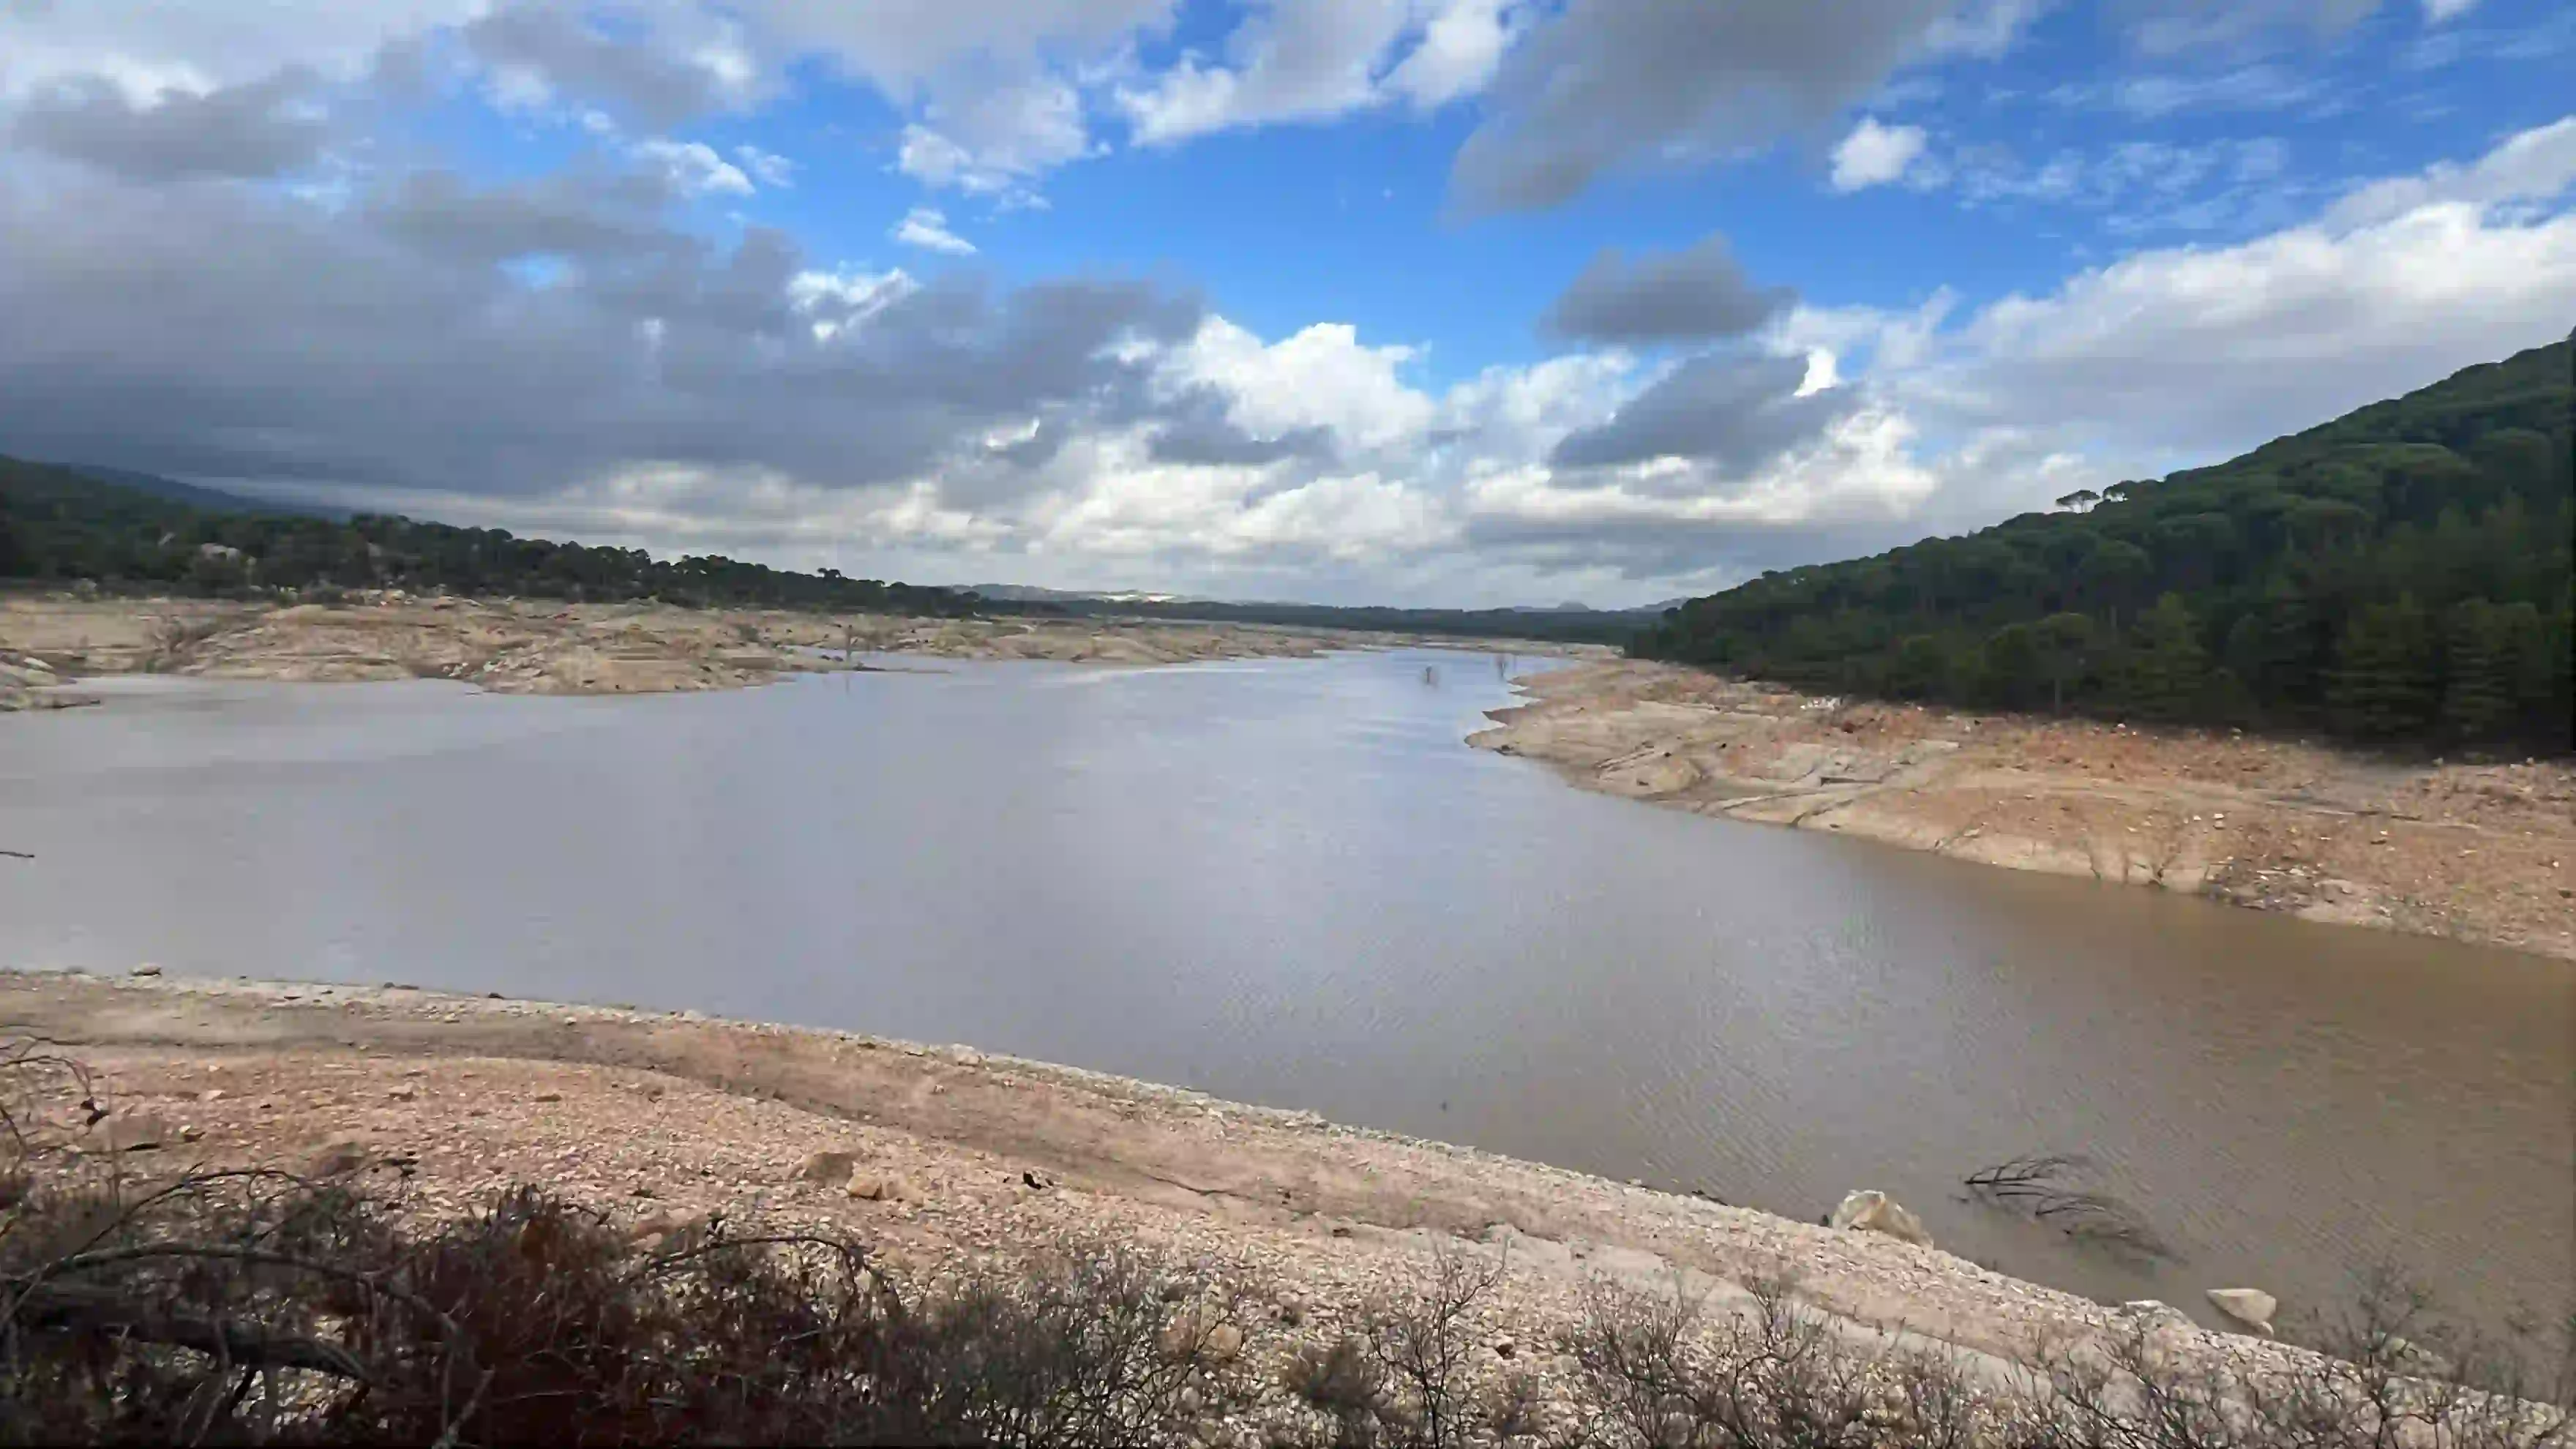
x=63, y=525
x=2397, y=576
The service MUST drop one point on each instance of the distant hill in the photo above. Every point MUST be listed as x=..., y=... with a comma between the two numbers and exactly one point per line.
x=2400, y=574
x=1030, y=593
x=208, y=499
x=62, y=525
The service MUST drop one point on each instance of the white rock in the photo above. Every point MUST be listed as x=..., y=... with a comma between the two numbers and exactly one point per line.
x=1870, y=1210
x=2250, y=1306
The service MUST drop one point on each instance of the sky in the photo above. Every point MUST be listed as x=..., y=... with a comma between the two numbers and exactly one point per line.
x=1426, y=302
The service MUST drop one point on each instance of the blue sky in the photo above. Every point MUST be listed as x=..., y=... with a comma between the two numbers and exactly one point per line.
x=1422, y=301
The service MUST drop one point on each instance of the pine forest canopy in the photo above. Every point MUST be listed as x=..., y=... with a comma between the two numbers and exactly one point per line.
x=2399, y=575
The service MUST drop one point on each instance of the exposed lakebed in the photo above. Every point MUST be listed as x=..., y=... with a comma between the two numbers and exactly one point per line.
x=1289, y=882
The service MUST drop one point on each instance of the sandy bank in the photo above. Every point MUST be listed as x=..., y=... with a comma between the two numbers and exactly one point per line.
x=655, y=1117
x=2478, y=853
x=515, y=646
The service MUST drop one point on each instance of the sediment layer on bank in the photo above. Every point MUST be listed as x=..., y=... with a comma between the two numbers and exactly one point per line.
x=2478, y=852
x=939, y=1155
x=522, y=646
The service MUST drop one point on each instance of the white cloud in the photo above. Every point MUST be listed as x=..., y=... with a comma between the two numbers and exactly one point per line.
x=833, y=301
x=2437, y=11
x=693, y=167
x=1321, y=59
x=927, y=227
x=998, y=141
x=1323, y=376
x=1291, y=62
x=2534, y=165
x=198, y=45
x=769, y=168
x=1461, y=47
x=1985, y=30
x=2209, y=350
x=1875, y=154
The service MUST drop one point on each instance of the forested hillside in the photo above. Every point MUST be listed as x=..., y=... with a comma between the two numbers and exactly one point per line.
x=60, y=525
x=2398, y=575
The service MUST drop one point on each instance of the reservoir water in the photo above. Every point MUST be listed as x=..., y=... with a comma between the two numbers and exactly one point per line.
x=1289, y=882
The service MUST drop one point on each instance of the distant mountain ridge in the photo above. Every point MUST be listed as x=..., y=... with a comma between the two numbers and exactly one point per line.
x=212, y=500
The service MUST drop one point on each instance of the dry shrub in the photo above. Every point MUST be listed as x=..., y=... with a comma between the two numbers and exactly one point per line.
x=1407, y=1378
x=263, y=1308
x=175, y=639
x=1658, y=1369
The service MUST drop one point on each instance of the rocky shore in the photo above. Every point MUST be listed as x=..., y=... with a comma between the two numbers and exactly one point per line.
x=522, y=646
x=942, y=1157
x=2482, y=852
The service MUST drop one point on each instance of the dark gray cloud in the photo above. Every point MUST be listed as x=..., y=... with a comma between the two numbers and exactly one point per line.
x=247, y=132
x=1637, y=546
x=582, y=216
x=1608, y=82
x=625, y=73
x=1201, y=432
x=1733, y=411
x=388, y=344
x=1698, y=294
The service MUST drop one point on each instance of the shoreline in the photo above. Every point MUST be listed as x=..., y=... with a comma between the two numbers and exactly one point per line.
x=2476, y=853
x=656, y=1117
x=523, y=646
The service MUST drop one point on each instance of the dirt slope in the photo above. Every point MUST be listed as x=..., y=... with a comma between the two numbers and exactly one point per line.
x=2476, y=852
x=655, y=1117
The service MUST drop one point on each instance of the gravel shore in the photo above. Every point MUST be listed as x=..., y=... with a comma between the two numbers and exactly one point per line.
x=2472, y=851
x=946, y=1156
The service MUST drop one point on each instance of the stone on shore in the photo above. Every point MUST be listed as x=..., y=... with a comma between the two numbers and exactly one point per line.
x=1870, y=1210
x=2250, y=1306
x=827, y=1166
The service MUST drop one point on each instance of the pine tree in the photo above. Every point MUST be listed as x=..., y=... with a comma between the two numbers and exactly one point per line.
x=2484, y=667
x=2277, y=647
x=2065, y=651
x=2167, y=670
x=2382, y=686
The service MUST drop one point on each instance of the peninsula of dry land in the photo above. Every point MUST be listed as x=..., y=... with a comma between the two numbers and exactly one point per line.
x=2477, y=851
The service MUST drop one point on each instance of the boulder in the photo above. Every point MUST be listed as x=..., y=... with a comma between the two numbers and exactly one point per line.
x=137, y=1132
x=336, y=1160
x=1870, y=1210
x=827, y=1166
x=2249, y=1306
x=866, y=1188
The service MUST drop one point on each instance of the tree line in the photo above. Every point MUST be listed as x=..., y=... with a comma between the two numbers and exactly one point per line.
x=66, y=525
x=2400, y=576
x=62, y=526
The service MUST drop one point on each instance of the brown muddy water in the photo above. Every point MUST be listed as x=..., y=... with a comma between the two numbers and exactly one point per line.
x=1289, y=882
